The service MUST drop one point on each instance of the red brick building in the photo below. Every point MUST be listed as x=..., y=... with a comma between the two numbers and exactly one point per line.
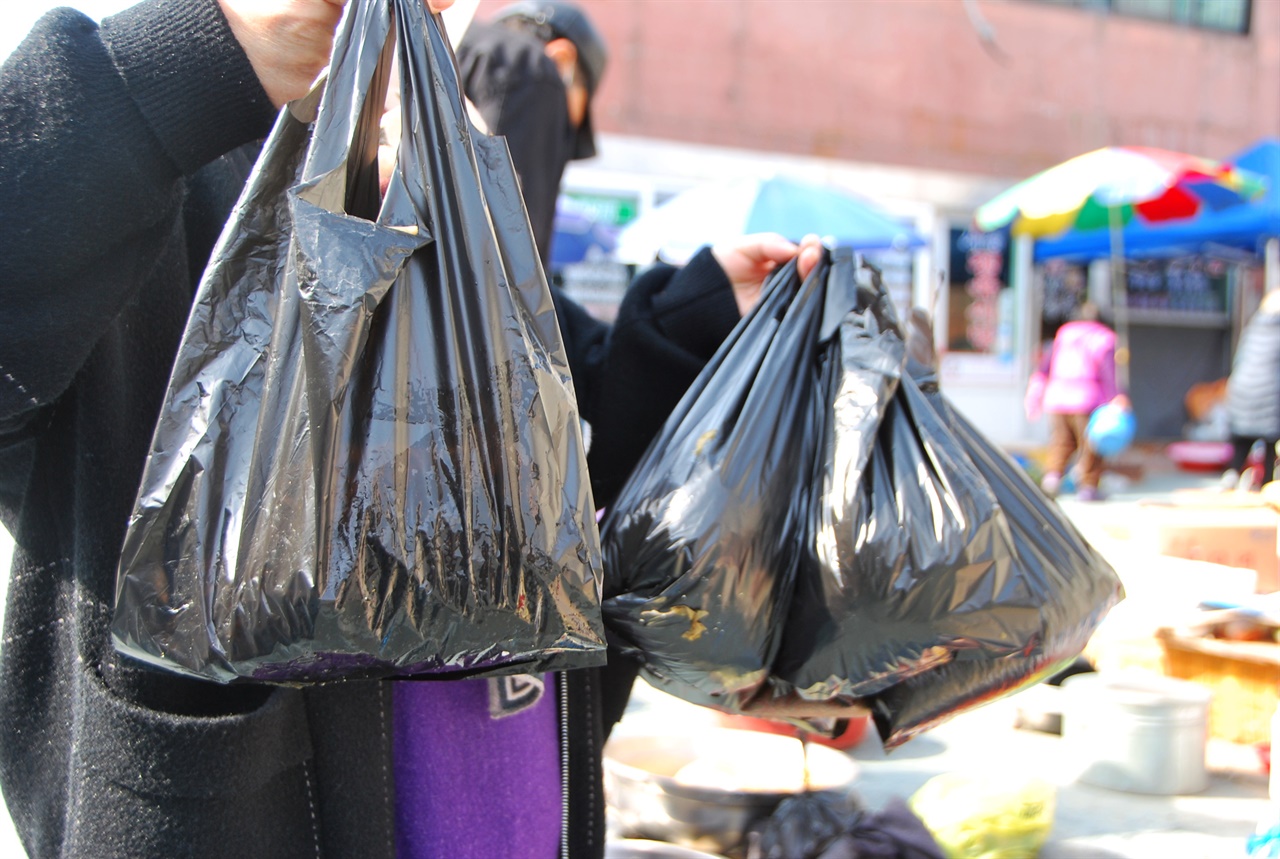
x=912, y=83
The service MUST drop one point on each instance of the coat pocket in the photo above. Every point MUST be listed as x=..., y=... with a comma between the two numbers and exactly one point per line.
x=145, y=783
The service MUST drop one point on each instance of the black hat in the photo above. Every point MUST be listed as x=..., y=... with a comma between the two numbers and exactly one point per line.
x=555, y=19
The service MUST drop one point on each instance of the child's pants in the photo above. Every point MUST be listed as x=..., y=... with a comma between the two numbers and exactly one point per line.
x=1066, y=436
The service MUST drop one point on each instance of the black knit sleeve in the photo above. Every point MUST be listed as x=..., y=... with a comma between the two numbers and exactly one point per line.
x=189, y=79
x=97, y=127
x=669, y=325
x=586, y=341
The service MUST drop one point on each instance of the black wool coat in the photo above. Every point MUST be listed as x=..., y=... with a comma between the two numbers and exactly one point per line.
x=120, y=155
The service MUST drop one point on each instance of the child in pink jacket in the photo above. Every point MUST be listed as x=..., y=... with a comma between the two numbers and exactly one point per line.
x=1077, y=375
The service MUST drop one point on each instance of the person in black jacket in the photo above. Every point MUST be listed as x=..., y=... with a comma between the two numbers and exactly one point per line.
x=532, y=72
x=121, y=153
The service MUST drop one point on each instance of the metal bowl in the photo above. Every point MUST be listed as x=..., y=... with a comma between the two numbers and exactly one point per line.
x=704, y=790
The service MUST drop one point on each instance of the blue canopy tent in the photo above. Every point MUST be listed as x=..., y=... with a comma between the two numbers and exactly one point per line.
x=1245, y=227
x=717, y=211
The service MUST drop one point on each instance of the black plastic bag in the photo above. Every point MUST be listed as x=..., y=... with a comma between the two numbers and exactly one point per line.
x=1047, y=544
x=701, y=545
x=829, y=825
x=908, y=556
x=836, y=538
x=803, y=826
x=369, y=461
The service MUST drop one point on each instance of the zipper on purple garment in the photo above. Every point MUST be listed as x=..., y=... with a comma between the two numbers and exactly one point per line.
x=563, y=699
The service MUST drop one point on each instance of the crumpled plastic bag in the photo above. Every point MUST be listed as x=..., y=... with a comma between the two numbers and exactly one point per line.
x=369, y=461
x=986, y=817
x=831, y=825
x=702, y=542
x=803, y=826
x=815, y=532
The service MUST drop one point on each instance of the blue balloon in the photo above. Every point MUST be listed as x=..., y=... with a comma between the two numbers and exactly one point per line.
x=1111, y=429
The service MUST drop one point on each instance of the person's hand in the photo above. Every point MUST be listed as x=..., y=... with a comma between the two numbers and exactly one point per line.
x=288, y=41
x=748, y=260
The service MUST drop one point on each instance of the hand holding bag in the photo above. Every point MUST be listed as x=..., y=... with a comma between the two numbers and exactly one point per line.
x=369, y=461
x=815, y=532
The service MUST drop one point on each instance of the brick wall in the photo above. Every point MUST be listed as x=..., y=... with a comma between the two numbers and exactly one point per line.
x=908, y=82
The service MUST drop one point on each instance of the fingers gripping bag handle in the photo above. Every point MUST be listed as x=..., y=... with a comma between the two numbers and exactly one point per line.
x=369, y=461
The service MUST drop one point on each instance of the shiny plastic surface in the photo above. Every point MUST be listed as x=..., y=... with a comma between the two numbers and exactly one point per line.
x=816, y=531
x=1111, y=429
x=369, y=461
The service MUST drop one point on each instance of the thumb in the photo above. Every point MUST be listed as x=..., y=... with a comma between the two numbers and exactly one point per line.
x=808, y=259
x=772, y=247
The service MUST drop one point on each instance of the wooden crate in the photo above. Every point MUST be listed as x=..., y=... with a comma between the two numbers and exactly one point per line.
x=1244, y=677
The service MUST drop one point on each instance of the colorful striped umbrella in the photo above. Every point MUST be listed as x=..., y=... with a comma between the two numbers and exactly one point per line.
x=1109, y=187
